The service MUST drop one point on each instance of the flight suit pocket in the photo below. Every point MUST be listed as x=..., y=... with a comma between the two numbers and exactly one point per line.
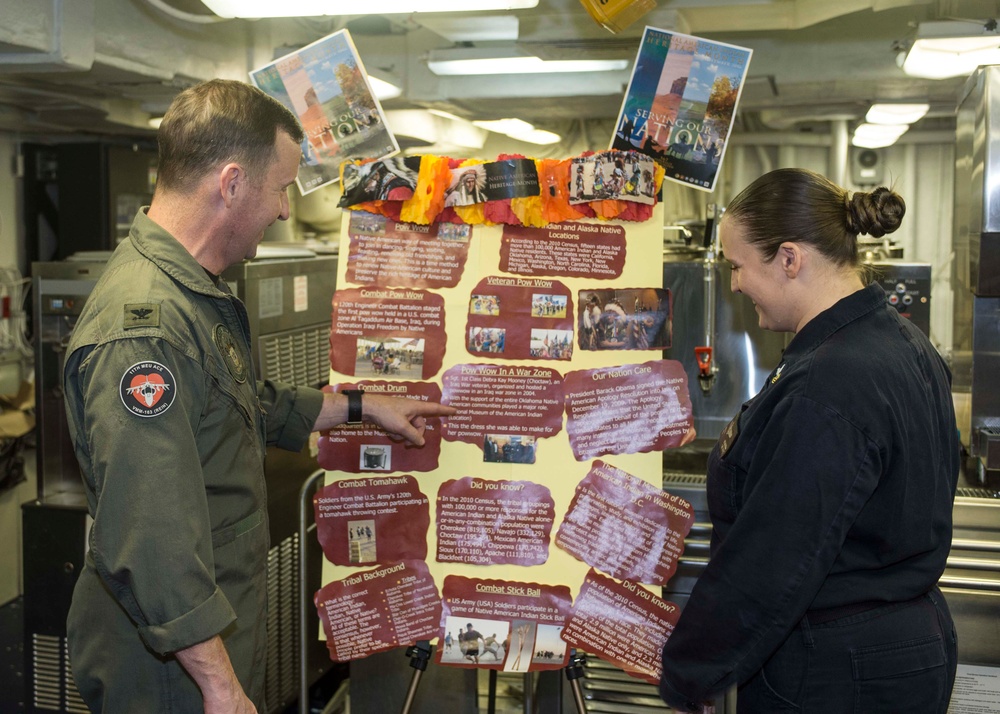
x=241, y=401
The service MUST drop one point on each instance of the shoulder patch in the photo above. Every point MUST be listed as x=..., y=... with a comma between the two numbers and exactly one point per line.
x=142, y=314
x=147, y=389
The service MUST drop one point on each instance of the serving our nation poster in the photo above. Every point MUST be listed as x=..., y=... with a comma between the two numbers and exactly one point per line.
x=680, y=104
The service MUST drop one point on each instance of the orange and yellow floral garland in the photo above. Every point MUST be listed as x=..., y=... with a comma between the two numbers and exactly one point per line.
x=551, y=205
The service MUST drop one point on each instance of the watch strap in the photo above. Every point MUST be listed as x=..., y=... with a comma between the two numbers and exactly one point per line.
x=354, y=412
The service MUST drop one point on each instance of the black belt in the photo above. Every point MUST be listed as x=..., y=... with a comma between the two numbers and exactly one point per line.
x=823, y=615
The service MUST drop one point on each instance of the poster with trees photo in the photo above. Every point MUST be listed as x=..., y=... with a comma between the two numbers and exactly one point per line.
x=680, y=104
x=326, y=86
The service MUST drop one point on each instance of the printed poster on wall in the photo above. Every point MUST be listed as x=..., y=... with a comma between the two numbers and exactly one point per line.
x=326, y=86
x=680, y=104
x=554, y=456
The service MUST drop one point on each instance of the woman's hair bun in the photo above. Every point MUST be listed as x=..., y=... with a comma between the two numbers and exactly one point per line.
x=875, y=213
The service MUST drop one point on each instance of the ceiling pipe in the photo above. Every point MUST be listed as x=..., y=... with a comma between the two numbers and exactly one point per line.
x=839, y=147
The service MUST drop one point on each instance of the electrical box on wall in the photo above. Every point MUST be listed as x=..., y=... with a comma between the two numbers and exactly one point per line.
x=867, y=167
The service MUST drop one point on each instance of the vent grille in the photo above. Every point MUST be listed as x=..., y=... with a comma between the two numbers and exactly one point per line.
x=281, y=685
x=47, y=671
x=52, y=686
x=297, y=356
x=977, y=493
x=608, y=689
x=685, y=478
x=73, y=701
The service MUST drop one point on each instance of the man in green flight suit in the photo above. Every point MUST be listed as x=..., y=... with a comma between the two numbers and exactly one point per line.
x=170, y=426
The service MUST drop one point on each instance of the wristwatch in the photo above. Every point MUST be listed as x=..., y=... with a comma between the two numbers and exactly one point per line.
x=354, y=415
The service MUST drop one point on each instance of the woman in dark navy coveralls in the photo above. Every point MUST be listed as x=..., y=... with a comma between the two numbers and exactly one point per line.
x=831, y=491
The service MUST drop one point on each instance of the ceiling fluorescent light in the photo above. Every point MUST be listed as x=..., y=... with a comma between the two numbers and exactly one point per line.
x=875, y=136
x=489, y=28
x=505, y=126
x=476, y=61
x=951, y=49
x=434, y=129
x=891, y=113
x=520, y=130
x=537, y=136
x=382, y=89
x=317, y=8
x=445, y=115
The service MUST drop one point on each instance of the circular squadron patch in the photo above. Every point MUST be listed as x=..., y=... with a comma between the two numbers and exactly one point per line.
x=226, y=343
x=147, y=389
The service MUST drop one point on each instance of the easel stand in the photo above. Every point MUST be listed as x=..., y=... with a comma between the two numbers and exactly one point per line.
x=305, y=501
x=420, y=655
x=574, y=672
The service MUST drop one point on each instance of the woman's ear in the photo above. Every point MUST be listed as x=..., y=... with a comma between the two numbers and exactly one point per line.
x=791, y=257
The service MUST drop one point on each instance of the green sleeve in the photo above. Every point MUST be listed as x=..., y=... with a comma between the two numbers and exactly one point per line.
x=151, y=539
x=290, y=413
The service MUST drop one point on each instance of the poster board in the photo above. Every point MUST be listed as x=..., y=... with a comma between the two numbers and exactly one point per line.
x=547, y=341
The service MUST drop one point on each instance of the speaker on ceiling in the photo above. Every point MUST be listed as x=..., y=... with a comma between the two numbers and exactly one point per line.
x=867, y=167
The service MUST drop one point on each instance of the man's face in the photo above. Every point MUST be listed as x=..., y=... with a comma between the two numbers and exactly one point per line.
x=266, y=198
x=470, y=182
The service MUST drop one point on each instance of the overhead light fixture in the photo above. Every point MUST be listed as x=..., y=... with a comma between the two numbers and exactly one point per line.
x=951, y=49
x=505, y=126
x=520, y=130
x=316, y=8
x=445, y=115
x=893, y=113
x=491, y=28
x=486, y=60
x=537, y=136
x=382, y=89
x=433, y=128
x=876, y=136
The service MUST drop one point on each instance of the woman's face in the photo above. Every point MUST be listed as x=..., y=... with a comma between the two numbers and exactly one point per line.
x=763, y=282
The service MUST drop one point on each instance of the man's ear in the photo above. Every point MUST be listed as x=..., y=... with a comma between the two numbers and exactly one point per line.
x=790, y=256
x=232, y=179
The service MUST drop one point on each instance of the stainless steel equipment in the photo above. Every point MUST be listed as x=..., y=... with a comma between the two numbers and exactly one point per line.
x=976, y=276
x=288, y=303
x=972, y=581
x=705, y=312
x=908, y=289
x=59, y=291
